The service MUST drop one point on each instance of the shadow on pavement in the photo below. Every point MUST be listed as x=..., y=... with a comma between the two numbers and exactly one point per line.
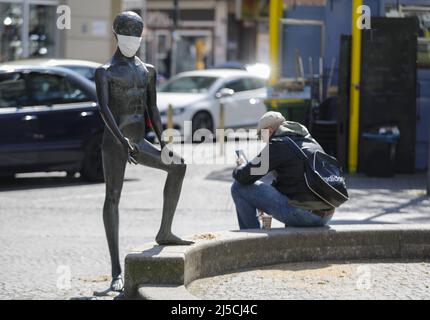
x=357, y=222
x=41, y=182
x=396, y=209
x=108, y=296
x=226, y=175
x=400, y=181
x=221, y=175
x=359, y=181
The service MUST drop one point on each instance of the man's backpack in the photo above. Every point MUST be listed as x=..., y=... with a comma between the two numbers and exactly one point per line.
x=323, y=176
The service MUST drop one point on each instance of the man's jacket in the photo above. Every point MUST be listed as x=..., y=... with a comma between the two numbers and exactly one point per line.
x=288, y=168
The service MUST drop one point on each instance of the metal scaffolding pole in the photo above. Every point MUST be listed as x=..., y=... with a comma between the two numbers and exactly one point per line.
x=144, y=17
x=25, y=29
x=354, y=117
x=276, y=12
x=174, y=38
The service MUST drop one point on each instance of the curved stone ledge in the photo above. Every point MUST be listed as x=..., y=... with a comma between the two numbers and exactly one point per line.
x=151, y=270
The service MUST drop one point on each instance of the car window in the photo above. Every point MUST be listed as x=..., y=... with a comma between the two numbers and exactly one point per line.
x=48, y=89
x=86, y=72
x=238, y=85
x=188, y=84
x=245, y=84
x=13, y=92
x=257, y=83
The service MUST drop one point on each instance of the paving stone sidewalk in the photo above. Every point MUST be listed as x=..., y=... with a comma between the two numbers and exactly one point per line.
x=321, y=280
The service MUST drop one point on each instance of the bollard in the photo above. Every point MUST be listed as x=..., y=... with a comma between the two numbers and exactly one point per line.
x=221, y=127
x=170, y=122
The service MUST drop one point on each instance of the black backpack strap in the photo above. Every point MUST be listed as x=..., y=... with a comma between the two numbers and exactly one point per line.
x=297, y=150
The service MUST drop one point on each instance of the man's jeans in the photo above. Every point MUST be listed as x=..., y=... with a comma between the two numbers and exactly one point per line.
x=249, y=198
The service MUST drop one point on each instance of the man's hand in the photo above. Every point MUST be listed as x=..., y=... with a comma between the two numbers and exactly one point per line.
x=240, y=161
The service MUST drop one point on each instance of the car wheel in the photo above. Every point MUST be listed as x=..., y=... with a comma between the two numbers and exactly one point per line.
x=202, y=120
x=92, y=166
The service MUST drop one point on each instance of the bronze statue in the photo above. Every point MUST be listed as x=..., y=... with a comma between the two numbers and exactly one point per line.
x=127, y=94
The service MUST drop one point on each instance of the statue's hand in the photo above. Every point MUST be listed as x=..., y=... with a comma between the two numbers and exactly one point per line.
x=127, y=144
x=132, y=159
x=162, y=144
x=130, y=150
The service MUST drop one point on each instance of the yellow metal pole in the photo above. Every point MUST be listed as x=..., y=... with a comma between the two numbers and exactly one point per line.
x=354, y=113
x=221, y=136
x=276, y=12
x=170, y=122
x=200, y=55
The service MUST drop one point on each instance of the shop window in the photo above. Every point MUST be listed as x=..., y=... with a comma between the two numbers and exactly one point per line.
x=42, y=31
x=40, y=21
x=10, y=31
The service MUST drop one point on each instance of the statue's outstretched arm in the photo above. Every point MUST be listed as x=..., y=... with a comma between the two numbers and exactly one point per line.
x=153, y=112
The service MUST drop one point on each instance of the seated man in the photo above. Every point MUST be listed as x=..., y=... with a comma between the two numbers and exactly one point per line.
x=288, y=199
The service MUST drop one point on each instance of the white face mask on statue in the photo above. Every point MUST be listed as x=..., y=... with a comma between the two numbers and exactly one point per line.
x=128, y=45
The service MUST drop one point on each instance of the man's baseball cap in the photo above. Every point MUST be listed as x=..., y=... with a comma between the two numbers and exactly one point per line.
x=271, y=119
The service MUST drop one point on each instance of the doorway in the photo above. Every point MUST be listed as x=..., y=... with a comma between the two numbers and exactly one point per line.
x=192, y=50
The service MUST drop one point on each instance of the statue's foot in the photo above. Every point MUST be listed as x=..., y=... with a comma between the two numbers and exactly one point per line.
x=117, y=284
x=171, y=240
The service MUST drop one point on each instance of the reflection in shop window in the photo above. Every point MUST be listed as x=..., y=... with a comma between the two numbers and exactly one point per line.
x=10, y=31
x=193, y=52
x=41, y=26
x=42, y=30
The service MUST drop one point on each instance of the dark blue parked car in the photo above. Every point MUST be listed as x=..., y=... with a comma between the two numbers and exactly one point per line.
x=49, y=121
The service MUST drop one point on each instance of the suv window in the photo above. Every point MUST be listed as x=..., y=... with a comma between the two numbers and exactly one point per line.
x=245, y=84
x=188, y=84
x=257, y=83
x=13, y=92
x=238, y=85
x=48, y=89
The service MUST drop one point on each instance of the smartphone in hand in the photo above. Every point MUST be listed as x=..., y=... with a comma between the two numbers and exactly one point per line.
x=241, y=155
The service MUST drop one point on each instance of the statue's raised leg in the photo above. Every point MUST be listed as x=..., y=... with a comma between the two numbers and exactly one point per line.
x=148, y=155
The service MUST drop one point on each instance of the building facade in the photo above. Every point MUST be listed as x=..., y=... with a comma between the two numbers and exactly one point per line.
x=207, y=33
x=28, y=29
x=198, y=39
x=226, y=30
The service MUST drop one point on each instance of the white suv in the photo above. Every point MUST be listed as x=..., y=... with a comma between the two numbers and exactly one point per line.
x=196, y=96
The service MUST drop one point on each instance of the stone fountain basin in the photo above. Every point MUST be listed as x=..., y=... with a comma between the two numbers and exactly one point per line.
x=159, y=272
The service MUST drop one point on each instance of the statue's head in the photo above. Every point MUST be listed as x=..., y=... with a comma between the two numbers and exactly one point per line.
x=128, y=28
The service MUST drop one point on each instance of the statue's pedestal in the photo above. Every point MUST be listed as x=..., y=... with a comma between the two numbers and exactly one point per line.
x=157, y=272
x=153, y=266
